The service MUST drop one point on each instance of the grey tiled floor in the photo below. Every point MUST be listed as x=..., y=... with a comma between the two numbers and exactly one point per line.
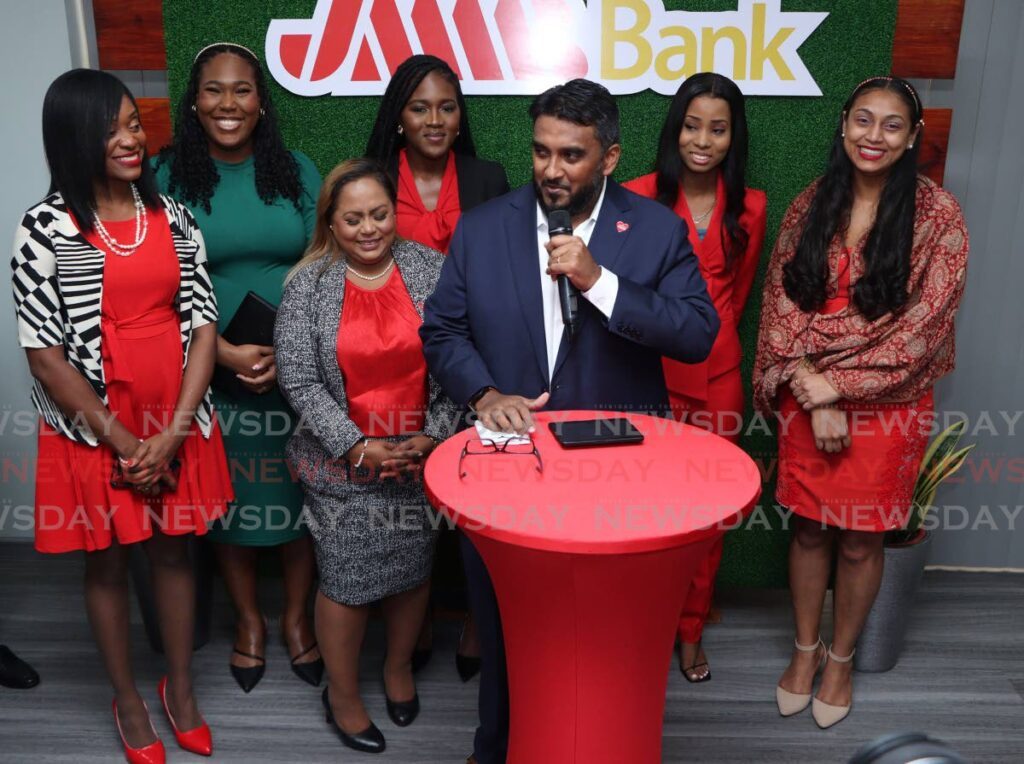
x=960, y=679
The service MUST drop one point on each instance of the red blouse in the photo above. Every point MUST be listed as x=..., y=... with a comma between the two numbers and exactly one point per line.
x=728, y=285
x=432, y=228
x=381, y=358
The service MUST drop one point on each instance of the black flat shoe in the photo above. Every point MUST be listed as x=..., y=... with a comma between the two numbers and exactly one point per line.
x=403, y=714
x=421, y=658
x=370, y=740
x=248, y=676
x=14, y=672
x=467, y=666
x=310, y=672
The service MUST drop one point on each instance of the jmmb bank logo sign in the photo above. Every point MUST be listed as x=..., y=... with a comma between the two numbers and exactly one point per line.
x=521, y=47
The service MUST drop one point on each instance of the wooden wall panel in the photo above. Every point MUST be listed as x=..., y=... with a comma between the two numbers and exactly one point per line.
x=130, y=35
x=936, y=143
x=155, y=114
x=927, y=38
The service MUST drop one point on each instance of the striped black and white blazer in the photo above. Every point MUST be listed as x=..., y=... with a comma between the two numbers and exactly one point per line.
x=58, y=294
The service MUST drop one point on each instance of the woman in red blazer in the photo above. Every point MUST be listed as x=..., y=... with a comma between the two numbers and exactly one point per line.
x=701, y=168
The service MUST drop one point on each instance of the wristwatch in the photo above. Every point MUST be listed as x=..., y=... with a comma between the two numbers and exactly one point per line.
x=475, y=397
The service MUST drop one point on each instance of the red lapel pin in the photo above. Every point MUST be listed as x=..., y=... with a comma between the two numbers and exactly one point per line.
x=621, y=226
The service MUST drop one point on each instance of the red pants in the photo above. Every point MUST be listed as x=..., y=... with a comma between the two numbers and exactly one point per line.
x=722, y=414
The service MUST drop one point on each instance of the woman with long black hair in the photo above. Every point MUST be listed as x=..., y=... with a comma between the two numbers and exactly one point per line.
x=857, y=326
x=255, y=201
x=701, y=174
x=118, y=320
x=423, y=140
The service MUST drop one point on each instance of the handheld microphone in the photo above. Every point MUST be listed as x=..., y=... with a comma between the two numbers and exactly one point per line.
x=560, y=224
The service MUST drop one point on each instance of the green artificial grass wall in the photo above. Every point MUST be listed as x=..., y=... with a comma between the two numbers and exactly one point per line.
x=789, y=137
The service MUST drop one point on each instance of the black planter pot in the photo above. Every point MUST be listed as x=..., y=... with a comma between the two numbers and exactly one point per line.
x=881, y=640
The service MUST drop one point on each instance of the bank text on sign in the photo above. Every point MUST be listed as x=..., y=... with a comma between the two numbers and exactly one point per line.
x=521, y=47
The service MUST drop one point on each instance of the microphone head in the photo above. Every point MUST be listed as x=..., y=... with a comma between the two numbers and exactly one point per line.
x=559, y=223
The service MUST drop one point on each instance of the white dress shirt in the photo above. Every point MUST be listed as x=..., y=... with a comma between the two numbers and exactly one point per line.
x=601, y=295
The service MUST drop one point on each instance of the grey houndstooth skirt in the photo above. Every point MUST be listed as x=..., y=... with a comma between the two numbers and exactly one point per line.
x=372, y=540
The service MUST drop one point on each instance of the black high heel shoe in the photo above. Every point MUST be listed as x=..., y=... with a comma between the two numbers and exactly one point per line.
x=248, y=676
x=310, y=672
x=405, y=712
x=467, y=666
x=370, y=740
x=696, y=673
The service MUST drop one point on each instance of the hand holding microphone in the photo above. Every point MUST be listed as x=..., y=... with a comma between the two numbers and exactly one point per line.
x=571, y=262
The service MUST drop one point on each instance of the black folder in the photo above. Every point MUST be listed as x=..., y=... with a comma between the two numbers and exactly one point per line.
x=252, y=324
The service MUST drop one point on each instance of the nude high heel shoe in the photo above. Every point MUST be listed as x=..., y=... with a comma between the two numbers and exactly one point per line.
x=794, y=702
x=825, y=715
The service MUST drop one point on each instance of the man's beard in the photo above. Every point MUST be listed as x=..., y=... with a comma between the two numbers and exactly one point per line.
x=578, y=203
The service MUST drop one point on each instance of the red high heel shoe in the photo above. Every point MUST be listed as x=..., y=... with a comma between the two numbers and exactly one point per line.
x=196, y=740
x=153, y=753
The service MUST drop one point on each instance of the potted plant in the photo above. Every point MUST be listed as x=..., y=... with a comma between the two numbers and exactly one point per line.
x=906, y=551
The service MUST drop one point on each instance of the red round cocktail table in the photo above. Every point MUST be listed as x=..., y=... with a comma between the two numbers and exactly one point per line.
x=591, y=560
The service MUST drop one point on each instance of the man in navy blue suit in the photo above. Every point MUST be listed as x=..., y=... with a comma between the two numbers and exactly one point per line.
x=493, y=333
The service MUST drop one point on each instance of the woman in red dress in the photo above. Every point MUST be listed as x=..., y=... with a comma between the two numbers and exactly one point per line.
x=422, y=138
x=857, y=325
x=118, y=320
x=701, y=174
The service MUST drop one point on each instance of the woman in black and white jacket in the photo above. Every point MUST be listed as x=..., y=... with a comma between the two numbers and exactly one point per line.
x=118, y=320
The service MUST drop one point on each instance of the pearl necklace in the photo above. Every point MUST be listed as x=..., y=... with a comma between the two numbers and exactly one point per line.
x=380, y=275
x=141, y=228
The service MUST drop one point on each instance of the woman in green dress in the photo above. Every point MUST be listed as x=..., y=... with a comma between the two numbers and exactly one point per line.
x=255, y=203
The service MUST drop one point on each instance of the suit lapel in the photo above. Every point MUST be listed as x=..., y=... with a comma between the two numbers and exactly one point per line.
x=607, y=241
x=521, y=235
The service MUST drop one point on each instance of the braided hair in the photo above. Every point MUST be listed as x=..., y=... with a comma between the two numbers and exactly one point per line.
x=385, y=140
x=194, y=176
x=883, y=286
x=670, y=167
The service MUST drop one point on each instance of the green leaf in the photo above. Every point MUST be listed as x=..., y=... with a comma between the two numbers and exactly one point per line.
x=940, y=462
x=928, y=484
x=943, y=443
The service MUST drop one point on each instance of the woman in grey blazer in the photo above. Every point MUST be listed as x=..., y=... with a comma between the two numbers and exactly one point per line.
x=350, y=363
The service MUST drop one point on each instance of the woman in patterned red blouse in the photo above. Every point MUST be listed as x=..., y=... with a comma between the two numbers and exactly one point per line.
x=856, y=327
